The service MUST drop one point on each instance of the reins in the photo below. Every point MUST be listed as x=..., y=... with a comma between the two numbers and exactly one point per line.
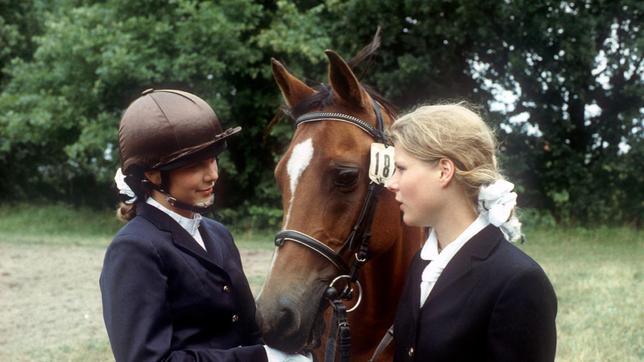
x=358, y=237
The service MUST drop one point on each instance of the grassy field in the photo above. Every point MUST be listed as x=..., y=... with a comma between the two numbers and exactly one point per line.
x=50, y=260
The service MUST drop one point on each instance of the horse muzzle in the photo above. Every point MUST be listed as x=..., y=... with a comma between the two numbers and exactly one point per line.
x=291, y=324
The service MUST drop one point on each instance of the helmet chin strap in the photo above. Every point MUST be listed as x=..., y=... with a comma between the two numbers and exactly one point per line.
x=177, y=203
x=185, y=206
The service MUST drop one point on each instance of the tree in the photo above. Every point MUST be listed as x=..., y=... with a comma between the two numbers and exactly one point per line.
x=562, y=80
x=63, y=106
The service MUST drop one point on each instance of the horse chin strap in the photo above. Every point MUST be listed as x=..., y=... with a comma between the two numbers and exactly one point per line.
x=358, y=238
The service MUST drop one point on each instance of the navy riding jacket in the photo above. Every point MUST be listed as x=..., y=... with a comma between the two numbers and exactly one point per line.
x=491, y=303
x=166, y=299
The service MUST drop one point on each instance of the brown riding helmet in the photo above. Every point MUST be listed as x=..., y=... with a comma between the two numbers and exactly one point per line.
x=163, y=128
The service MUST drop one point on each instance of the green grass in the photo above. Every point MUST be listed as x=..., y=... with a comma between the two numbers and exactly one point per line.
x=597, y=274
x=56, y=224
x=258, y=240
x=65, y=225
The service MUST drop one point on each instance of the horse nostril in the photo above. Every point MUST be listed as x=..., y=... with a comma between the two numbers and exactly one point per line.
x=289, y=319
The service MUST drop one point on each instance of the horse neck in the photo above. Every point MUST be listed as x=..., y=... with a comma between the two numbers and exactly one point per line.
x=383, y=276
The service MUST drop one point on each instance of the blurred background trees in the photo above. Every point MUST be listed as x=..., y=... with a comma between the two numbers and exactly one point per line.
x=561, y=81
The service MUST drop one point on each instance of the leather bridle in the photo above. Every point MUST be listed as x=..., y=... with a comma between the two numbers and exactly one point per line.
x=358, y=238
x=361, y=230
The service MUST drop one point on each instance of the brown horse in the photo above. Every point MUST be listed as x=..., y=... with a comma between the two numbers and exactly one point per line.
x=323, y=178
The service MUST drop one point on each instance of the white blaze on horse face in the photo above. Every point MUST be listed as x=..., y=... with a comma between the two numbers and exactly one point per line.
x=297, y=163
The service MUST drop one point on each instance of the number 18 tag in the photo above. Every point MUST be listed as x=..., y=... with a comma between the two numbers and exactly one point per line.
x=381, y=167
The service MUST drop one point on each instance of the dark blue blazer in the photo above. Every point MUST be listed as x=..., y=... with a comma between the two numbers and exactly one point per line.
x=491, y=303
x=166, y=298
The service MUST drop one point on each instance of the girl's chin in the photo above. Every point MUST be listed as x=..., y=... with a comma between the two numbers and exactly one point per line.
x=205, y=202
x=411, y=220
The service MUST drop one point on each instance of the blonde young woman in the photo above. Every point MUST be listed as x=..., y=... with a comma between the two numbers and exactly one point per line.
x=471, y=295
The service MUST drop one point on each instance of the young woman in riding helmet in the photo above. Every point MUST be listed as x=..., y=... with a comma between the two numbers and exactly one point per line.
x=172, y=282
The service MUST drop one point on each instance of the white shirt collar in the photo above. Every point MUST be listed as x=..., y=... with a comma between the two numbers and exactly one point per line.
x=430, y=249
x=191, y=225
x=439, y=261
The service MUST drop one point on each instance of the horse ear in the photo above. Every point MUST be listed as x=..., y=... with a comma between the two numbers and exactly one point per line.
x=343, y=81
x=293, y=90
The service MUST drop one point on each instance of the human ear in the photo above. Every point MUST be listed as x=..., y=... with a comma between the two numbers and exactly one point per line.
x=154, y=176
x=447, y=169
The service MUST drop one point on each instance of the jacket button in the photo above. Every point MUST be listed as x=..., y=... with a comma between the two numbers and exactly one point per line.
x=235, y=318
x=226, y=289
x=411, y=352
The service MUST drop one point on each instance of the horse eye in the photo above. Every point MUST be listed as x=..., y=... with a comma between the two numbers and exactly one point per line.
x=346, y=177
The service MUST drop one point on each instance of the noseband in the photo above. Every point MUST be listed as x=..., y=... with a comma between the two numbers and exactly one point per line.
x=359, y=235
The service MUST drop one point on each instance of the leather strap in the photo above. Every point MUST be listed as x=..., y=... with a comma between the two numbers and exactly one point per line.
x=313, y=244
x=384, y=342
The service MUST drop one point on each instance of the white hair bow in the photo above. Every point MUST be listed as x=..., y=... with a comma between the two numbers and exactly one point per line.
x=497, y=201
x=124, y=188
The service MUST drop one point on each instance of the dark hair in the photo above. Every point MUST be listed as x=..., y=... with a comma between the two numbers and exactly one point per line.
x=125, y=212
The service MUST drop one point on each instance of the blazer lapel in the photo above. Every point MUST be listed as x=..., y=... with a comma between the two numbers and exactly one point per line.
x=478, y=247
x=214, y=248
x=416, y=272
x=180, y=236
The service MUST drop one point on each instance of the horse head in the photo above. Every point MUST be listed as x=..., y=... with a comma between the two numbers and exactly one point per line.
x=324, y=180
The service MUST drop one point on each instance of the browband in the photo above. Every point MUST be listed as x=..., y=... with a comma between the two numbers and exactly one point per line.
x=376, y=133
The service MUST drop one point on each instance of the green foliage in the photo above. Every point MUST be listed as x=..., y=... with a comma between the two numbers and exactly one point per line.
x=19, y=22
x=535, y=218
x=298, y=36
x=562, y=82
x=251, y=217
x=59, y=130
